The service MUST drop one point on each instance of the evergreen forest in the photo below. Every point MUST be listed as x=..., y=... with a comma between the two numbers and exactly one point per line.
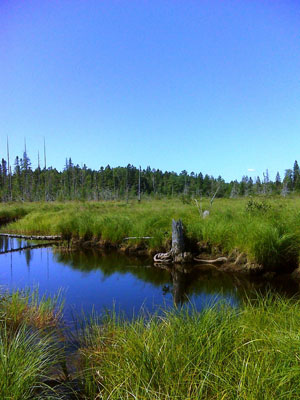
x=20, y=182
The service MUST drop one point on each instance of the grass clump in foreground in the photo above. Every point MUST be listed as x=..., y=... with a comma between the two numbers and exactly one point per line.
x=29, y=345
x=220, y=353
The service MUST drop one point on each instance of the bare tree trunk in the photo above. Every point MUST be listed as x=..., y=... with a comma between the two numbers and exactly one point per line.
x=177, y=253
x=177, y=238
x=139, y=194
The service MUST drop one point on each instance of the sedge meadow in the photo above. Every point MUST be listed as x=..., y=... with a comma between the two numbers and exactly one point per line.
x=228, y=331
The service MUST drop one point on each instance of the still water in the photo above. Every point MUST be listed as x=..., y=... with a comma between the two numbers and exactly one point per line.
x=94, y=280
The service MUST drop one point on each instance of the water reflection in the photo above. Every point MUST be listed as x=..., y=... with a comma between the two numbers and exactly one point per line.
x=99, y=280
x=183, y=283
x=7, y=244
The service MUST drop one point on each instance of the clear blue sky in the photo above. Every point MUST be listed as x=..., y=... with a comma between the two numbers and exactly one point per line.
x=207, y=85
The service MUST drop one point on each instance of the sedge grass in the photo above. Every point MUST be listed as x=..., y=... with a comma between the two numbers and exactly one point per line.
x=25, y=307
x=250, y=352
x=220, y=353
x=267, y=232
x=30, y=345
x=26, y=358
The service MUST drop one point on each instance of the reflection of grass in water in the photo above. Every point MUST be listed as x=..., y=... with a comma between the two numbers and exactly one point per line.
x=250, y=353
x=268, y=234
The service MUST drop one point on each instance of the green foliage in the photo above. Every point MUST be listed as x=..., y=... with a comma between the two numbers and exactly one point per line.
x=25, y=360
x=257, y=206
x=220, y=353
x=268, y=232
x=250, y=352
x=29, y=347
x=107, y=183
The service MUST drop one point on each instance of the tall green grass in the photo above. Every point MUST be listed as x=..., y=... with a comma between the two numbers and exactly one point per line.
x=12, y=212
x=266, y=231
x=26, y=358
x=25, y=306
x=221, y=353
x=251, y=352
x=30, y=345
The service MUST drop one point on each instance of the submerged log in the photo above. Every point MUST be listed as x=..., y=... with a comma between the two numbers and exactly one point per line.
x=31, y=237
x=219, y=260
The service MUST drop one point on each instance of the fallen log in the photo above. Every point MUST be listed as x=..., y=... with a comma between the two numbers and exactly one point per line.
x=31, y=237
x=138, y=237
x=219, y=260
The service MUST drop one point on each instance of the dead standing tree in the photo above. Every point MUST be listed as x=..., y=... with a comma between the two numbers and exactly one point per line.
x=177, y=253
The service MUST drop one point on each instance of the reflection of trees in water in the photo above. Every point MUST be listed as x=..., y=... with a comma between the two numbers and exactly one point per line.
x=111, y=263
x=4, y=243
x=9, y=243
x=28, y=257
x=211, y=282
x=183, y=282
x=186, y=283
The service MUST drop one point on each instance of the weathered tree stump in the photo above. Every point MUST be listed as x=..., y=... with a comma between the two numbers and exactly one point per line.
x=177, y=238
x=177, y=253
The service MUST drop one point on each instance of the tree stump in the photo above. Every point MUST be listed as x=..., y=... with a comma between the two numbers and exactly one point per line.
x=177, y=238
x=177, y=253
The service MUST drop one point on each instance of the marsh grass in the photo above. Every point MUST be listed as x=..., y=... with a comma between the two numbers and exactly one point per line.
x=268, y=231
x=222, y=352
x=12, y=212
x=219, y=353
x=25, y=307
x=31, y=345
x=26, y=358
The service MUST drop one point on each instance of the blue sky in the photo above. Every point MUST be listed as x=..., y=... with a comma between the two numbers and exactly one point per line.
x=207, y=85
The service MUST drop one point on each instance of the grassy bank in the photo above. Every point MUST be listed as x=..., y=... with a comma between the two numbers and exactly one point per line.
x=220, y=353
x=11, y=212
x=267, y=231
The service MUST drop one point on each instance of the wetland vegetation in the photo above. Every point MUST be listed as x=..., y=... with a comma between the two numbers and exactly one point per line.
x=251, y=352
x=264, y=231
x=221, y=352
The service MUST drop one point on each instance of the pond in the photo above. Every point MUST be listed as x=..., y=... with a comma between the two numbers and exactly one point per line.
x=92, y=280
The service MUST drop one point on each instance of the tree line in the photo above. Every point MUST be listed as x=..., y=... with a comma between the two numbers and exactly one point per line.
x=21, y=182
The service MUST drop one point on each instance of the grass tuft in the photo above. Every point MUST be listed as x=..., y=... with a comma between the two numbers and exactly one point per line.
x=251, y=353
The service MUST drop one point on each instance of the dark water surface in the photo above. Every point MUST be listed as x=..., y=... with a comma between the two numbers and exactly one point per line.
x=92, y=279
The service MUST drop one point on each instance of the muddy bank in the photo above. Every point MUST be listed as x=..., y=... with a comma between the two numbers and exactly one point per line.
x=234, y=262
x=198, y=255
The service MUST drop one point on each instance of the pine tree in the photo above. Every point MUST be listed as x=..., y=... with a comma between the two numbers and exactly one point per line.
x=296, y=173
